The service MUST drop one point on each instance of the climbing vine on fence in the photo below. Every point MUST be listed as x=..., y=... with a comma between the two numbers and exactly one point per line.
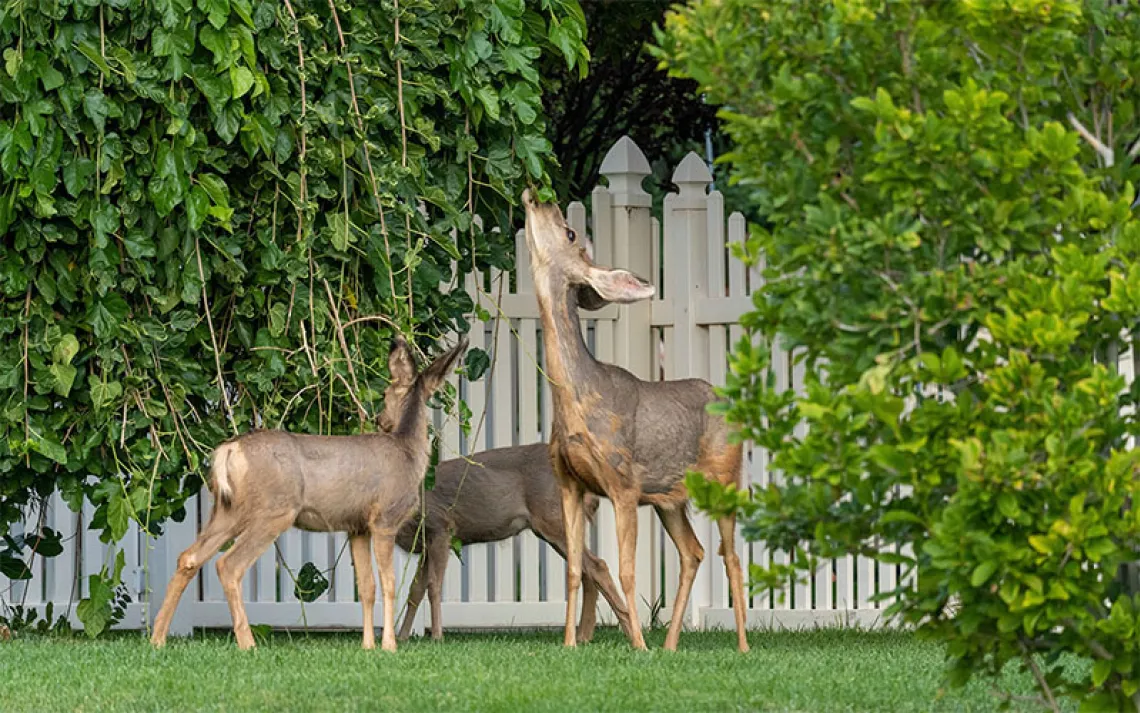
x=216, y=213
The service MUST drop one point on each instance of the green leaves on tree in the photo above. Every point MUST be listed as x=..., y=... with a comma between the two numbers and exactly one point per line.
x=950, y=245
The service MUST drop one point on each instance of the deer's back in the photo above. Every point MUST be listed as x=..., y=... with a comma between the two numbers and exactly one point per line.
x=335, y=483
x=634, y=433
x=484, y=499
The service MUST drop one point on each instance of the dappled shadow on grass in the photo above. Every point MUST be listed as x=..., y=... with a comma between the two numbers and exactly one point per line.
x=824, y=670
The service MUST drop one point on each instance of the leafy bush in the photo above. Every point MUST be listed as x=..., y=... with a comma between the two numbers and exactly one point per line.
x=218, y=211
x=952, y=250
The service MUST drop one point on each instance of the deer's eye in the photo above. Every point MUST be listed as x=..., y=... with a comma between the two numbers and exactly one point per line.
x=571, y=235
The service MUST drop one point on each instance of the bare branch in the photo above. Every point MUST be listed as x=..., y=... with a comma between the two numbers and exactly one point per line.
x=1105, y=152
x=214, y=338
x=347, y=356
x=1027, y=656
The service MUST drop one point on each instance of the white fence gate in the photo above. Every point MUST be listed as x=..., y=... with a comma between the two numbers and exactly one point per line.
x=686, y=331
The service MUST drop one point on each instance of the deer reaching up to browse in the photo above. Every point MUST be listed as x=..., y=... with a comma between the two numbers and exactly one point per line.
x=618, y=436
x=367, y=485
x=503, y=492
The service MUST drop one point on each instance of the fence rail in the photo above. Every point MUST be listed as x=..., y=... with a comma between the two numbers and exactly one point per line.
x=688, y=330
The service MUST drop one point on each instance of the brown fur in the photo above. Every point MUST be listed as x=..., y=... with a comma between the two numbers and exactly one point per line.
x=618, y=436
x=501, y=493
x=366, y=485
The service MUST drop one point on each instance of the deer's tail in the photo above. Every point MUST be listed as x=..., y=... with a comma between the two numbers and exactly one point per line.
x=220, y=482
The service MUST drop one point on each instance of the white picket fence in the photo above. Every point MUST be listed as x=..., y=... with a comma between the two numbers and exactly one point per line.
x=687, y=331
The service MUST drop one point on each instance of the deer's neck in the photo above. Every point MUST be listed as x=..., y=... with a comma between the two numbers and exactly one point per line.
x=570, y=366
x=413, y=438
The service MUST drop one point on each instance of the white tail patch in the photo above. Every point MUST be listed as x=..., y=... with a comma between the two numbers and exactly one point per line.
x=220, y=475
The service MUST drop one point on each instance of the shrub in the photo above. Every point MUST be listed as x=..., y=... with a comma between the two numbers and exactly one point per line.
x=952, y=251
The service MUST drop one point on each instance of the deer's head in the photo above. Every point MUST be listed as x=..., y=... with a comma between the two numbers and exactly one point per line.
x=408, y=391
x=562, y=261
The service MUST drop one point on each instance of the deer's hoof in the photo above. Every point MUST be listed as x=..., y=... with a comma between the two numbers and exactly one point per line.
x=389, y=646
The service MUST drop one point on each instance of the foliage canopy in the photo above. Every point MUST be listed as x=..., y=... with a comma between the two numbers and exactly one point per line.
x=217, y=212
x=952, y=250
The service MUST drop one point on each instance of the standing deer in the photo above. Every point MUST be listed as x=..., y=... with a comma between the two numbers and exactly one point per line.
x=367, y=485
x=503, y=492
x=621, y=437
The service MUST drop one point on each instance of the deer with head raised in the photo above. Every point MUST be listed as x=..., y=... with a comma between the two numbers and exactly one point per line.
x=368, y=485
x=495, y=495
x=618, y=436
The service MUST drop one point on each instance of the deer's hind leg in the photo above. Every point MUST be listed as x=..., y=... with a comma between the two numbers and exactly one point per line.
x=680, y=530
x=221, y=526
x=415, y=596
x=438, y=560
x=727, y=527
x=233, y=564
x=596, y=577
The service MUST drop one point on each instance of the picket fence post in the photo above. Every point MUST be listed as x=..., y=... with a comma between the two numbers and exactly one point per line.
x=622, y=214
x=686, y=220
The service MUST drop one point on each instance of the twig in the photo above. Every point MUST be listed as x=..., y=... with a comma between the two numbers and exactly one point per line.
x=351, y=393
x=1105, y=152
x=907, y=63
x=372, y=318
x=403, y=139
x=214, y=337
x=364, y=145
x=802, y=147
x=344, y=348
x=1027, y=656
x=308, y=350
x=304, y=110
x=27, y=378
x=289, y=403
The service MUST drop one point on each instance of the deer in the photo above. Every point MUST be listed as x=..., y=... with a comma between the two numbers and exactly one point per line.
x=617, y=436
x=367, y=485
x=495, y=495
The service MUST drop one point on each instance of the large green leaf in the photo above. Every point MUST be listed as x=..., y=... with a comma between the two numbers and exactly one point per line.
x=107, y=315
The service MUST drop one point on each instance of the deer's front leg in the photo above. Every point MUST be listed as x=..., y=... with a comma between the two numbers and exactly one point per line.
x=384, y=545
x=365, y=585
x=625, y=518
x=573, y=523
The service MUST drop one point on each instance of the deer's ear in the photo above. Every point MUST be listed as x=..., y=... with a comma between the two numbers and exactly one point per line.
x=400, y=363
x=614, y=285
x=589, y=299
x=436, y=374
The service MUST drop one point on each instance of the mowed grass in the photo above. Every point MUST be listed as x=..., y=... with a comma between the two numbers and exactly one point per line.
x=817, y=671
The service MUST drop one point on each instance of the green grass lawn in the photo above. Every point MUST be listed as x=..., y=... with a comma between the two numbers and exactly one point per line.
x=829, y=670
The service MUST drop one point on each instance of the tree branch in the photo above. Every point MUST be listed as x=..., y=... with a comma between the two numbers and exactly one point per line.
x=1105, y=152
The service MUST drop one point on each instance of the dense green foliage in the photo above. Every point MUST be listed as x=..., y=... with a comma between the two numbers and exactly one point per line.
x=217, y=212
x=953, y=251
x=822, y=672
